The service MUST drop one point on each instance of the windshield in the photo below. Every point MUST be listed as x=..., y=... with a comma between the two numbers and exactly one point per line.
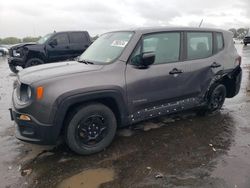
x=44, y=39
x=106, y=48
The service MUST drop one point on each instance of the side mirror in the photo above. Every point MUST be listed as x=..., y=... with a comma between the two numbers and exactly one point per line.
x=148, y=59
x=144, y=60
x=53, y=43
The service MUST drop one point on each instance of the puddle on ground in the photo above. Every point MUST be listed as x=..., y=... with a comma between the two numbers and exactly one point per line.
x=92, y=178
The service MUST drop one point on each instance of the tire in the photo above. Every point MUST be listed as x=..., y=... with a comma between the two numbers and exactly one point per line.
x=90, y=129
x=245, y=44
x=33, y=62
x=1, y=54
x=13, y=68
x=216, y=99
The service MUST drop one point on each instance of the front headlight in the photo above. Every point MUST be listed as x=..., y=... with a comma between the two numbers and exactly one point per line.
x=24, y=93
x=16, y=53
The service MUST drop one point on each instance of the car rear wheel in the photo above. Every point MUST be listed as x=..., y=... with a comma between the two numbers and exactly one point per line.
x=216, y=99
x=245, y=44
x=90, y=129
x=33, y=62
x=1, y=53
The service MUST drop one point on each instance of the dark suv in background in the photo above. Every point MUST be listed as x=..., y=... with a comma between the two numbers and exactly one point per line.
x=57, y=46
x=123, y=78
x=246, y=40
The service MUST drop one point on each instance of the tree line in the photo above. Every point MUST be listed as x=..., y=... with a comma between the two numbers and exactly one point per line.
x=15, y=40
x=239, y=33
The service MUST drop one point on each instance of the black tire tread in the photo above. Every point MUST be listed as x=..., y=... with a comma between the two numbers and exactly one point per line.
x=205, y=110
x=70, y=139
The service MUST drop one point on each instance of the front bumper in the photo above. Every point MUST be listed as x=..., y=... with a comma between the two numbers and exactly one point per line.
x=16, y=61
x=33, y=131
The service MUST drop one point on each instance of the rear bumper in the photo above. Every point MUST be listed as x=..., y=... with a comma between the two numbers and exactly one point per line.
x=236, y=77
x=33, y=131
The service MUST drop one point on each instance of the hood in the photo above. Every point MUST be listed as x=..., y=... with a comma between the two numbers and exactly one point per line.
x=53, y=70
x=16, y=46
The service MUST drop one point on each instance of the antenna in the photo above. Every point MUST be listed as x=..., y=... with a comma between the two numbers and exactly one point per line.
x=201, y=23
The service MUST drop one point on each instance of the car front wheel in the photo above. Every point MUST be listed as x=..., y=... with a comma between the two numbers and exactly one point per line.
x=90, y=129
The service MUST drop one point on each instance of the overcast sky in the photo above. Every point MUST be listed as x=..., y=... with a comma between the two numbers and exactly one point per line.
x=37, y=17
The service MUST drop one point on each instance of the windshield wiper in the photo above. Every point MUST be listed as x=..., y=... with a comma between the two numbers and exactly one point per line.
x=86, y=62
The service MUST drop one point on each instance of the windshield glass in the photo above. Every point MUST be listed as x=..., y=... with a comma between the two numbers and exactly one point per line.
x=106, y=48
x=44, y=39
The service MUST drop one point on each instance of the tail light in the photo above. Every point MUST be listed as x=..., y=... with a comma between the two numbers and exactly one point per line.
x=238, y=61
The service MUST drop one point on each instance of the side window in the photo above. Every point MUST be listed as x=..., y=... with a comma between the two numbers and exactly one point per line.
x=166, y=46
x=199, y=45
x=220, y=41
x=62, y=39
x=77, y=37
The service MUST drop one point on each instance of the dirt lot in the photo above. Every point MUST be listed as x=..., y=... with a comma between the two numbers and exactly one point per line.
x=181, y=151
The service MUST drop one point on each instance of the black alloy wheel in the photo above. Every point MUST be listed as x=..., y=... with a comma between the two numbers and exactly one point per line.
x=90, y=128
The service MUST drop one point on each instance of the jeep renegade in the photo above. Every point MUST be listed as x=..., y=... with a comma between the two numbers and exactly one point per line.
x=125, y=77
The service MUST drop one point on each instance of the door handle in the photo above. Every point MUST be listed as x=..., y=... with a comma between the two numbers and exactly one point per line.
x=215, y=65
x=176, y=71
x=67, y=47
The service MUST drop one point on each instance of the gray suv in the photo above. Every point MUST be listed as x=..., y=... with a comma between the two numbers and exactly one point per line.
x=125, y=77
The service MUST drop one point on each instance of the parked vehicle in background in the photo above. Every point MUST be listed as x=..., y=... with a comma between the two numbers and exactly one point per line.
x=246, y=40
x=54, y=47
x=123, y=78
x=3, y=50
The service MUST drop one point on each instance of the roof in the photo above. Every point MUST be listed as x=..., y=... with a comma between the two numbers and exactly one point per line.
x=68, y=31
x=144, y=30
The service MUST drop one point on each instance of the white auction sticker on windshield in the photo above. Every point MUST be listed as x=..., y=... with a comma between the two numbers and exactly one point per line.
x=119, y=43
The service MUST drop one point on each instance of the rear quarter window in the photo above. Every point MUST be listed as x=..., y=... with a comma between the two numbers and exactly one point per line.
x=219, y=41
